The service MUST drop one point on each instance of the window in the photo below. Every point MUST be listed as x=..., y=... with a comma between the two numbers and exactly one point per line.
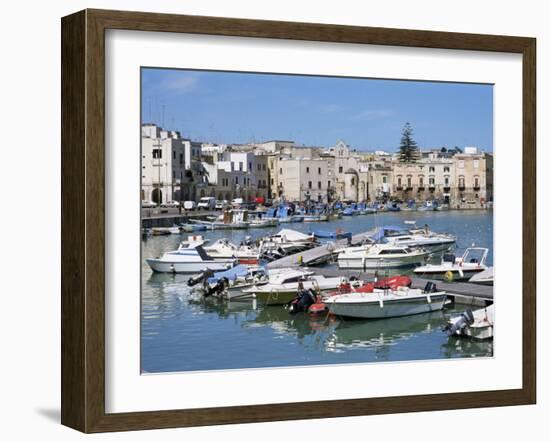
x=272, y=181
x=281, y=171
x=309, y=184
x=240, y=166
x=328, y=183
x=432, y=181
x=259, y=166
x=181, y=159
x=476, y=181
x=307, y=169
x=461, y=181
x=249, y=166
x=446, y=181
x=319, y=171
x=173, y=154
x=446, y=169
x=353, y=181
x=236, y=180
x=421, y=181
x=340, y=169
x=409, y=182
x=399, y=181
x=432, y=169
x=476, y=164
x=263, y=167
x=384, y=179
x=157, y=153
x=319, y=185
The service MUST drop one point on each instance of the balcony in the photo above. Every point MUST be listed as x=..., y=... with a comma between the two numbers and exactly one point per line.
x=477, y=188
x=399, y=188
x=462, y=188
x=446, y=189
x=408, y=188
x=421, y=188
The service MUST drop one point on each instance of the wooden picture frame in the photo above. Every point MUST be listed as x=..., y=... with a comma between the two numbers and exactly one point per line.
x=83, y=219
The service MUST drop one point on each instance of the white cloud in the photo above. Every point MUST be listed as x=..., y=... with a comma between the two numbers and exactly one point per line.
x=182, y=83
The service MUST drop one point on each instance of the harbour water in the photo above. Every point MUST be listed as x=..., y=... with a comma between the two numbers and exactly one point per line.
x=182, y=332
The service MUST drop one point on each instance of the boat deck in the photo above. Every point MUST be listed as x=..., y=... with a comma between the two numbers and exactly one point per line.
x=319, y=254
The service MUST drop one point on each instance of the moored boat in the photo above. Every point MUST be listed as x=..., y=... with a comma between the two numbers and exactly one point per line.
x=477, y=324
x=284, y=286
x=245, y=253
x=486, y=277
x=380, y=256
x=453, y=268
x=387, y=303
x=415, y=237
x=190, y=257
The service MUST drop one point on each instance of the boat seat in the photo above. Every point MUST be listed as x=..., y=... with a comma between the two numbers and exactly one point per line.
x=430, y=287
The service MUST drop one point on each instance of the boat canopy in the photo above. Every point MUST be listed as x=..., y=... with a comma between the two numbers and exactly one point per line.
x=327, y=234
x=382, y=232
x=231, y=274
x=292, y=235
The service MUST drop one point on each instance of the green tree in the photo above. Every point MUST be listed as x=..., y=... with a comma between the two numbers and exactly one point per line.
x=408, y=149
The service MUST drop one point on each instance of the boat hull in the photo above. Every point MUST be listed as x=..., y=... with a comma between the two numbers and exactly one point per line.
x=380, y=263
x=161, y=266
x=390, y=308
x=464, y=275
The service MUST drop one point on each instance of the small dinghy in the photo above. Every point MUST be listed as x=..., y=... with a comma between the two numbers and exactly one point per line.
x=477, y=325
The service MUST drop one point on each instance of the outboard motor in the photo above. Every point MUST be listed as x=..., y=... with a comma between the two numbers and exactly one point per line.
x=466, y=319
x=194, y=280
x=217, y=288
x=430, y=287
x=302, y=301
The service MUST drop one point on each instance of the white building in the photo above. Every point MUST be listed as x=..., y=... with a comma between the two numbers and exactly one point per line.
x=171, y=169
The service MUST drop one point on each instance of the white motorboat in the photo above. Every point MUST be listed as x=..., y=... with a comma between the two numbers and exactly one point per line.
x=415, y=237
x=224, y=249
x=190, y=257
x=380, y=256
x=290, y=241
x=486, y=277
x=174, y=230
x=453, y=268
x=387, y=303
x=477, y=325
x=264, y=222
x=283, y=286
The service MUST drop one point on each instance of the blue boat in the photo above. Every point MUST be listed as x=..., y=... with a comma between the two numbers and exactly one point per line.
x=331, y=235
x=348, y=211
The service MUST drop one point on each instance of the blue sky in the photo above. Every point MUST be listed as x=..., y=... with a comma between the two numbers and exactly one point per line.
x=368, y=114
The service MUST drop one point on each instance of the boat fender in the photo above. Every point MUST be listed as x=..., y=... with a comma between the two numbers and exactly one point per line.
x=449, y=276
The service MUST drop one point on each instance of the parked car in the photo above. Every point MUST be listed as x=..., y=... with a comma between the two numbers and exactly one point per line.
x=207, y=203
x=189, y=205
x=170, y=204
x=146, y=204
x=237, y=202
x=220, y=205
